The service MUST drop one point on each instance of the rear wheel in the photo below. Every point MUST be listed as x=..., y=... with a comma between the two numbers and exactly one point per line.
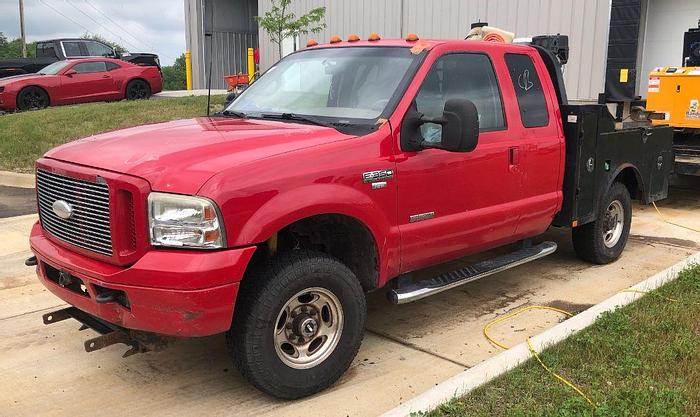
x=603, y=240
x=32, y=98
x=298, y=324
x=137, y=90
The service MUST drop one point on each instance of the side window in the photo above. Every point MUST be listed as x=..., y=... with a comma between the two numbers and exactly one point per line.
x=528, y=90
x=71, y=48
x=111, y=66
x=86, y=67
x=462, y=75
x=98, y=49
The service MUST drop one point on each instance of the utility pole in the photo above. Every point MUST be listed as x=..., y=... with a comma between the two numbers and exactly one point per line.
x=21, y=28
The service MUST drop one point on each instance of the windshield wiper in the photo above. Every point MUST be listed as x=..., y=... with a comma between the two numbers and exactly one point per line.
x=238, y=114
x=296, y=117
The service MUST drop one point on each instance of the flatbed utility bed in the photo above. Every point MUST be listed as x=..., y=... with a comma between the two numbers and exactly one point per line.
x=597, y=153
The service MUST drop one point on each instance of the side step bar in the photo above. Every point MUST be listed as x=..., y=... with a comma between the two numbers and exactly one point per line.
x=421, y=289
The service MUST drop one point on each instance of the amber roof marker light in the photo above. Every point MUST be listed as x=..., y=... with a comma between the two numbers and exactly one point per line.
x=335, y=39
x=412, y=37
x=353, y=38
x=374, y=37
x=311, y=42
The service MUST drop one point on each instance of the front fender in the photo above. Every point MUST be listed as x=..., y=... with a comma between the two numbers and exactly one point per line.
x=311, y=200
x=288, y=207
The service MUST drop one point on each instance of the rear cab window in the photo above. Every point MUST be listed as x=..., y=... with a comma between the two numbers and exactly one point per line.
x=528, y=90
x=45, y=50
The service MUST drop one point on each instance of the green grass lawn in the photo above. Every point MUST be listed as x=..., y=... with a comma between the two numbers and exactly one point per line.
x=641, y=360
x=26, y=136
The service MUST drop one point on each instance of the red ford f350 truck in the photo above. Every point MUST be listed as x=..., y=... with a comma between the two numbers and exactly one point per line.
x=340, y=171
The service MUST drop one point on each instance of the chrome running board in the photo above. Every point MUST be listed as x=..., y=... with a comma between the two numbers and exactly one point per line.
x=449, y=280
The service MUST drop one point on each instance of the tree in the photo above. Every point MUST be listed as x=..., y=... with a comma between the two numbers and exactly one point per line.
x=174, y=76
x=95, y=37
x=12, y=48
x=280, y=24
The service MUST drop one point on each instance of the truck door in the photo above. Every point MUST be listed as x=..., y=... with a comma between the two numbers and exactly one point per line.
x=456, y=203
x=540, y=146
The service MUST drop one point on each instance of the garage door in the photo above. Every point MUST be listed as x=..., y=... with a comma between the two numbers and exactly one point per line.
x=667, y=21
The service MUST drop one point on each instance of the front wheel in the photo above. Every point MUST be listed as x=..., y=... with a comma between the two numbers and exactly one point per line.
x=137, y=90
x=32, y=98
x=298, y=324
x=603, y=240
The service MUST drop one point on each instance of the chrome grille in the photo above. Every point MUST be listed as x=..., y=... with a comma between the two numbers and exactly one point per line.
x=88, y=226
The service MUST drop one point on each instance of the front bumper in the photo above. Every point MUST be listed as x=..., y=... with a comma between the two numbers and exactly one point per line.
x=7, y=101
x=178, y=293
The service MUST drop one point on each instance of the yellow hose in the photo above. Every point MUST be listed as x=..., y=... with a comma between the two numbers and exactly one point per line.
x=531, y=348
x=556, y=375
x=513, y=314
x=670, y=222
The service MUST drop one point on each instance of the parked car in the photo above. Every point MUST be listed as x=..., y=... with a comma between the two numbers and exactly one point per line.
x=341, y=170
x=79, y=81
x=48, y=52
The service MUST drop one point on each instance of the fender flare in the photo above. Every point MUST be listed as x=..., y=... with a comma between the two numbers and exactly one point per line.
x=640, y=181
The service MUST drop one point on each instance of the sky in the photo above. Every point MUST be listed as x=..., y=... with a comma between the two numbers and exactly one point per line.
x=139, y=25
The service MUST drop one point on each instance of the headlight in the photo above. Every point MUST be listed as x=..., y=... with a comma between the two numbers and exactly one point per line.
x=184, y=221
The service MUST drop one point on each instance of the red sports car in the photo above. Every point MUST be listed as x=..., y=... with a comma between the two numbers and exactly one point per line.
x=79, y=81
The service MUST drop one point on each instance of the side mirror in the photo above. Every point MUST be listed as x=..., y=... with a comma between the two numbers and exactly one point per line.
x=460, y=130
x=459, y=123
x=70, y=73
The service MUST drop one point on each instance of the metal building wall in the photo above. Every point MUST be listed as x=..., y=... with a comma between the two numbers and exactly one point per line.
x=585, y=21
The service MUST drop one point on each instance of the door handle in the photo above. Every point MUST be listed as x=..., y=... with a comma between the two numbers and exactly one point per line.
x=513, y=156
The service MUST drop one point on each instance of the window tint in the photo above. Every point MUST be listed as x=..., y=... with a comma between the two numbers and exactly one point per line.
x=111, y=66
x=98, y=49
x=45, y=49
x=72, y=48
x=90, y=67
x=528, y=90
x=466, y=75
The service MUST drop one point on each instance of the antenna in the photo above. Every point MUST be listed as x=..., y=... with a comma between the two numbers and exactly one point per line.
x=211, y=57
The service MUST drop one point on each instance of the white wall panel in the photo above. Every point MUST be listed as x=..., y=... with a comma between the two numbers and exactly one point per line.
x=585, y=21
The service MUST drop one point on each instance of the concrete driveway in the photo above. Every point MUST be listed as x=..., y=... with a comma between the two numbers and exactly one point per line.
x=406, y=350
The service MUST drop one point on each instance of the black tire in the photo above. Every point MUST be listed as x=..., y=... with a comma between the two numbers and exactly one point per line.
x=257, y=319
x=137, y=90
x=594, y=242
x=33, y=98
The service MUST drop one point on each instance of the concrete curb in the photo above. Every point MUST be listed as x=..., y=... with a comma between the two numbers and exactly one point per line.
x=486, y=371
x=15, y=179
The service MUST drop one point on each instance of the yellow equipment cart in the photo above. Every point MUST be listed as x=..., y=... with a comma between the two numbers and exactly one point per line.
x=675, y=93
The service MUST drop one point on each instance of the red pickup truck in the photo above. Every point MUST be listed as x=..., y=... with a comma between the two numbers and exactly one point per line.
x=340, y=171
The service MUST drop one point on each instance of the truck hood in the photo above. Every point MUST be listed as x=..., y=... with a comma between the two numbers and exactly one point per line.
x=180, y=156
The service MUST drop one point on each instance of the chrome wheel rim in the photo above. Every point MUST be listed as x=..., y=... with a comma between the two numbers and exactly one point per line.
x=308, y=328
x=613, y=224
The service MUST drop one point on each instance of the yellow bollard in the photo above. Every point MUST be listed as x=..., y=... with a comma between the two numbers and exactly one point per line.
x=188, y=69
x=251, y=66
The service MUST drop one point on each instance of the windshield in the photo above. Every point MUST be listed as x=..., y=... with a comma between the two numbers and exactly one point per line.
x=54, y=68
x=337, y=83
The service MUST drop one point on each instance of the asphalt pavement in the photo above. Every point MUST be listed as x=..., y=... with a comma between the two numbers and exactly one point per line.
x=16, y=201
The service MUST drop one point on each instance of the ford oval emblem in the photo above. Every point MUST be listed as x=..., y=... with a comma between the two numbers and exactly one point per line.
x=62, y=209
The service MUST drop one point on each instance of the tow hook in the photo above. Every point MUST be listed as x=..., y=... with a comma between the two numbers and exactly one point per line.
x=110, y=334
x=30, y=261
